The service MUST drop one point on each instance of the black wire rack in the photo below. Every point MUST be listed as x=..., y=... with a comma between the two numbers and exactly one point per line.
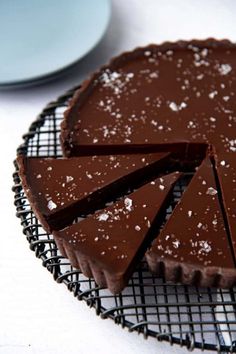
x=193, y=317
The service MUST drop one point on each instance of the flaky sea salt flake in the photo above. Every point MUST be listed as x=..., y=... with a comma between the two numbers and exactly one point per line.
x=128, y=204
x=176, y=244
x=69, y=179
x=214, y=222
x=103, y=217
x=190, y=213
x=212, y=119
x=212, y=94
x=224, y=69
x=211, y=191
x=51, y=205
x=173, y=106
x=89, y=175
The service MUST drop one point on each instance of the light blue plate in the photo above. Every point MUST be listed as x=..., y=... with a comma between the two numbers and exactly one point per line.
x=41, y=37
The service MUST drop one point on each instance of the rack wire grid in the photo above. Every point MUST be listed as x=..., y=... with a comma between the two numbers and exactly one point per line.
x=193, y=317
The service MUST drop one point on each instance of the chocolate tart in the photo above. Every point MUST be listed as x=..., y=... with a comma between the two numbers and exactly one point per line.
x=59, y=190
x=108, y=244
x=177, y=97
x=199, y=251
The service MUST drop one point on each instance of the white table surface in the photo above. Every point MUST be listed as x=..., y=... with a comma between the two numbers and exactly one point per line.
x=36, y=314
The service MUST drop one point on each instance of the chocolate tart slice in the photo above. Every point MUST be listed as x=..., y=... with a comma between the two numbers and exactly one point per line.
x=61, y=189
x=193, y=247
x=108, y=244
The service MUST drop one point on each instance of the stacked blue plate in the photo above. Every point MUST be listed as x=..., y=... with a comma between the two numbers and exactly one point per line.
x=41, y=38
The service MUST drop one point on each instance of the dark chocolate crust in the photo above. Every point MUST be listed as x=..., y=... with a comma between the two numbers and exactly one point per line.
x=30, y=196
x=192, y=274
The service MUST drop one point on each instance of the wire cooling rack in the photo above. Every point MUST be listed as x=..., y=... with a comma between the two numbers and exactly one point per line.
x=190, y=316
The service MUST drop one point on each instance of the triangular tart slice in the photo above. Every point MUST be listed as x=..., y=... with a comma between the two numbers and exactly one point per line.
x=108, y=244
x=61, y=189
x=193, y=246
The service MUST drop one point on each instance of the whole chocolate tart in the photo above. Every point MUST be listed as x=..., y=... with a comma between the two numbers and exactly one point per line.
x=108, y=244
x=59, y=190
x=177, y=97
x=197, y=252
x=151, y=111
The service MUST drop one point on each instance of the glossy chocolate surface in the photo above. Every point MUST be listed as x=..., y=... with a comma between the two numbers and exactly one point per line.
x=115, y=238
x=201, y=241
x=181, y=92
x=61, y=189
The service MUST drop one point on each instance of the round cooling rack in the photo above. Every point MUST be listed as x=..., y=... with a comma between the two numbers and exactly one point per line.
x=193, y=317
